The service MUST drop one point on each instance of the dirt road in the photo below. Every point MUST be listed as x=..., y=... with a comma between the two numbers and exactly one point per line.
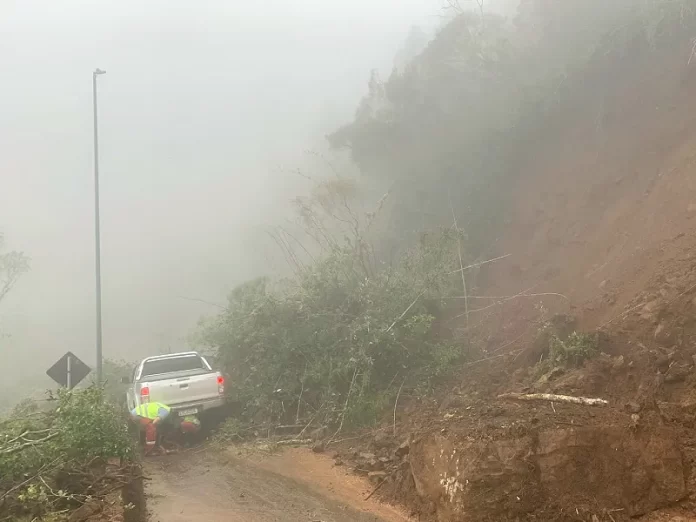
x=294, y=486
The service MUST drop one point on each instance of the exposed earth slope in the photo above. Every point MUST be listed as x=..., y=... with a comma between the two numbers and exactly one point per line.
x=600, y=229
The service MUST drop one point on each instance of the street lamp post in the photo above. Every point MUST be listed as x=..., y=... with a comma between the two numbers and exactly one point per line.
x=97, y=232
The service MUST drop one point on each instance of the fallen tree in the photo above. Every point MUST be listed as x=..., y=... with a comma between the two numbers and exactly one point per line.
x=76, y=450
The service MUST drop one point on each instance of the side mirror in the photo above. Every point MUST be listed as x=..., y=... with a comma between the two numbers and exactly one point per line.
x=125, y=380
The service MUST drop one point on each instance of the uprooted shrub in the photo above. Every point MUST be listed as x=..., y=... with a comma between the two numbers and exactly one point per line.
x=574, y=350
x=334, y=344
x=55, y=458
x=569, y=351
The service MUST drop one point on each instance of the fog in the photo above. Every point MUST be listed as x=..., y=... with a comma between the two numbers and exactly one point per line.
x=205, y=108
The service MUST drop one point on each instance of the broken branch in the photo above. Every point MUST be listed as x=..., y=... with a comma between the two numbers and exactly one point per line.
x=20, y=447
x=555, y=398
x=396, y=402
x=405, y=312
x=381, y=483
x=475, y=265
x=461, y=264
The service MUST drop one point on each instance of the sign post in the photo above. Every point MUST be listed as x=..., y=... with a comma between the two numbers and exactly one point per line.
x=68, y=371
x=69, y=361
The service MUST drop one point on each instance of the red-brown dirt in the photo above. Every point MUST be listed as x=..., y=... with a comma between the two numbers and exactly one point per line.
x=607, y=201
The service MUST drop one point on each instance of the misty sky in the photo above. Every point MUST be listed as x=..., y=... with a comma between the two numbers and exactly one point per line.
x=203, y=108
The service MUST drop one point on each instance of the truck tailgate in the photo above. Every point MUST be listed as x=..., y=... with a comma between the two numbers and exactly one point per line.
x=186, y=389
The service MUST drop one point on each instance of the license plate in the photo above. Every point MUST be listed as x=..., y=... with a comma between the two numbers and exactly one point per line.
x=190, y=411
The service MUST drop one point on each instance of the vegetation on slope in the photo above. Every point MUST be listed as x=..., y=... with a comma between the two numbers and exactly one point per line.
x=458, y=121
x=12, y=265
x=55, y=457
x=335, y=342
x=444, y=135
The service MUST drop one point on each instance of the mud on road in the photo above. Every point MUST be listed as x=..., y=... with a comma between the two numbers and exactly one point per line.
x=293, y=486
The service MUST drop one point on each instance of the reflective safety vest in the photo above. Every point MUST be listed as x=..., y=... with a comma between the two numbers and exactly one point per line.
x=152, y=410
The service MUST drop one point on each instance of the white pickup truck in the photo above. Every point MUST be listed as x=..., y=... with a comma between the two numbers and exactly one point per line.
x=183, y=381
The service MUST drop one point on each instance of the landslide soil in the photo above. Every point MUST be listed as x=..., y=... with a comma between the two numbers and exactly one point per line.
x=604, y=206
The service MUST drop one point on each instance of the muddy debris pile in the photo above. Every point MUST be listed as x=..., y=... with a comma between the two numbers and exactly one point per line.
x=507, y=469
x=492, y=457
x=593, y=468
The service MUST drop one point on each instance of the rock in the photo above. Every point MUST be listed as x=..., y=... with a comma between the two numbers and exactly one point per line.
x=677, y=373
x=664, y=334
x=555, y=373
x=369, y=462
x=659, y=380
x=618, y=363
x=381, y=440
x=377, y=465
x=85, y=511
x=674, y=377
x=495, y=411
x=545, y=379
x=632, y=407
x=670, y=412
x=403, y=448
x=648, y=317
x=377, y=476
x=688, y=405
x=651, y=306
x=662, y=362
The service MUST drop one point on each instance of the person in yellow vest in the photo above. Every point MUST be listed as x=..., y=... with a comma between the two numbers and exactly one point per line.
x=190, y=427
x=190, y=424
x=149, y=416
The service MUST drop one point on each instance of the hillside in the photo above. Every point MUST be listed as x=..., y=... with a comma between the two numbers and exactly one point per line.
x=604, y=205
x=606, y=202
x=589, y=196
x=521, y=227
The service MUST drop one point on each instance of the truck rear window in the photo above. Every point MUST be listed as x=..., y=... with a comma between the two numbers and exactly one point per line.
x=175, y=364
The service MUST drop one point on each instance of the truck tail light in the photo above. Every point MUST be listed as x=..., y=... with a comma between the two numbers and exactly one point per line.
x=221, y=384
x=145, y=394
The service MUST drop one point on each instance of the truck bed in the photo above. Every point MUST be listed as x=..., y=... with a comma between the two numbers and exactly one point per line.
x=184, y=381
